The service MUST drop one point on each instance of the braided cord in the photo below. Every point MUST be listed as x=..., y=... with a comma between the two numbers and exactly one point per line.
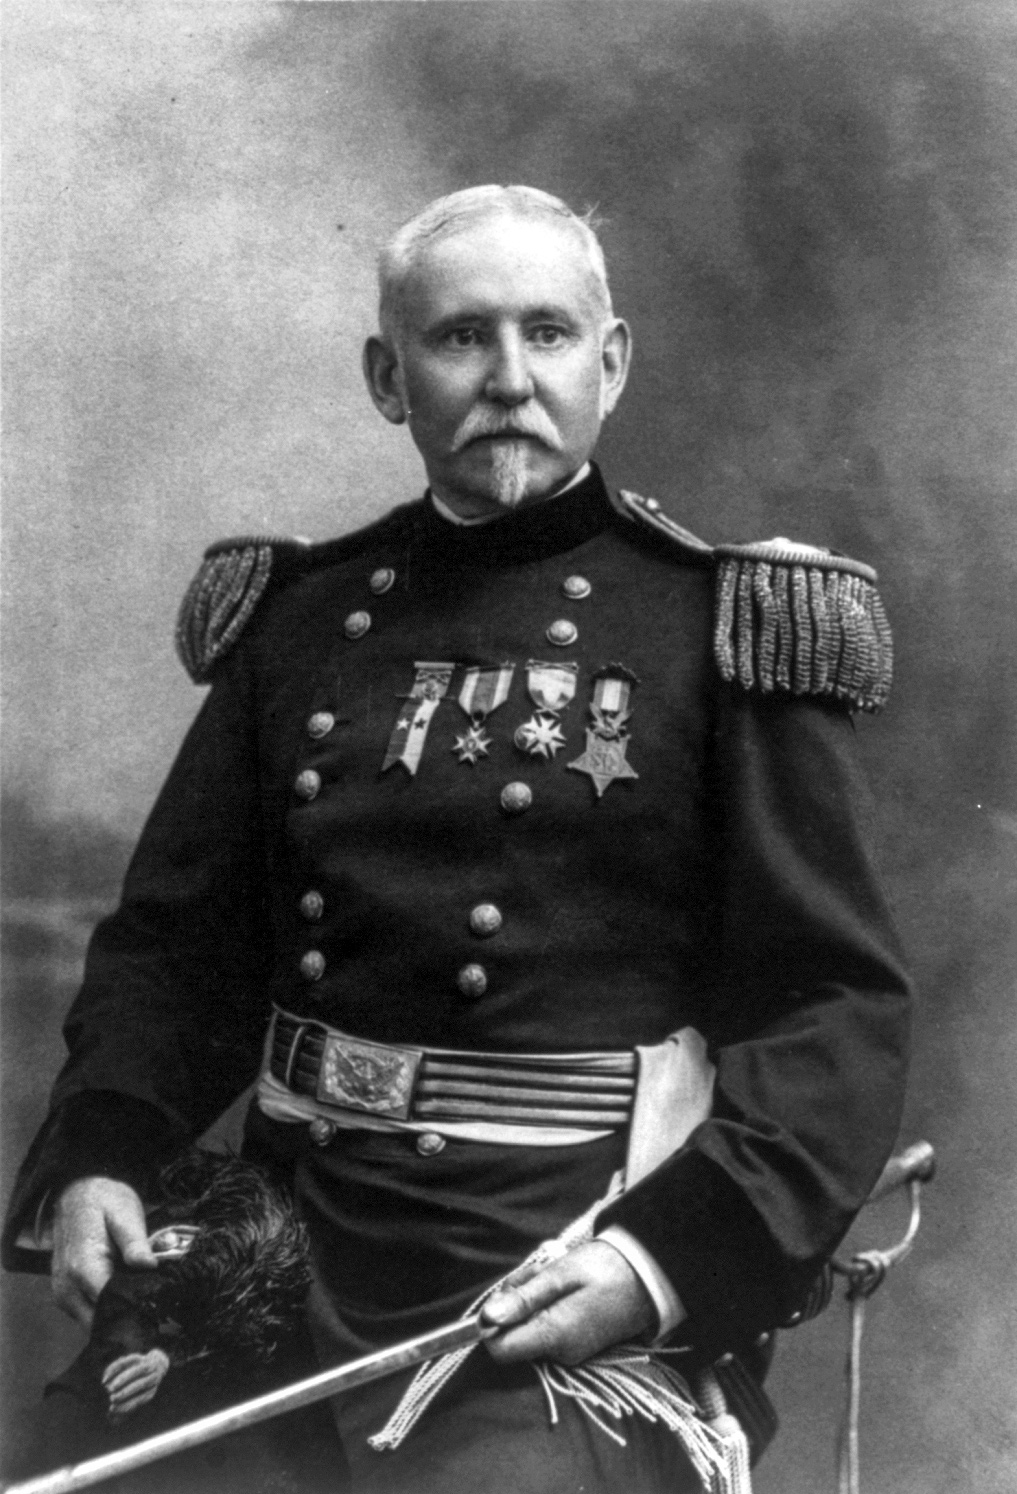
x=218, y=605
x=865, y=1273
x=806, y=629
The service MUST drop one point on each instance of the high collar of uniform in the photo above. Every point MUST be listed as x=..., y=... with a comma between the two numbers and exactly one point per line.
x=549, y=527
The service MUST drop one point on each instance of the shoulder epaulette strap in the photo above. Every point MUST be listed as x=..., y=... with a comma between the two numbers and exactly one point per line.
x=649, y=511
x=218, y=604
x=796, y=618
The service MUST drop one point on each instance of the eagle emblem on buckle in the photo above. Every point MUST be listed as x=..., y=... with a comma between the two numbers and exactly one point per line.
x=367, y=1077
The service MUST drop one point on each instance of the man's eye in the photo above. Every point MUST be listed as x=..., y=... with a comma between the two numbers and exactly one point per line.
x=547, y=336
x=463, y=337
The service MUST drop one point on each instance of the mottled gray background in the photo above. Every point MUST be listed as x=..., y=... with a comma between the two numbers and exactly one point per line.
x=810, y=214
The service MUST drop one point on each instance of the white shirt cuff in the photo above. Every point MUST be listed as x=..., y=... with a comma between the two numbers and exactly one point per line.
x=40, y=1236
x=665, y=1299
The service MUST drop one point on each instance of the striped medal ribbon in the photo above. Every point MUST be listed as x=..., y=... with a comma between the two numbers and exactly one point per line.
x=483, y=691
x=410, y=731
x=607, y=739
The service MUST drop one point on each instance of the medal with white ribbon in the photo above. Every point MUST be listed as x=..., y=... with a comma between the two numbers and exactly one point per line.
x=410, y=731
x=551, y=688
x=484, y=690
x=607, y=739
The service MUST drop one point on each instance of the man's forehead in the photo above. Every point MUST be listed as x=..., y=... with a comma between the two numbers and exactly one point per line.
x=503, y=260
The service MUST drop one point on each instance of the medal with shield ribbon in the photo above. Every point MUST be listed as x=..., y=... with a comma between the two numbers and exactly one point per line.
x=551, y=688
x=607, y=739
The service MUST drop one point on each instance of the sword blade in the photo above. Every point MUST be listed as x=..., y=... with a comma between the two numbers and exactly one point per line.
x=248, y=1413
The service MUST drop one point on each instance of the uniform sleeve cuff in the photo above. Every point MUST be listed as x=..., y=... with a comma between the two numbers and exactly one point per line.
x=665, y=1299
x=95, y=1133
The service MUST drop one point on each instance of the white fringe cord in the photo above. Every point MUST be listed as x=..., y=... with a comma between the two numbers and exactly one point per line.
x=625, y=1381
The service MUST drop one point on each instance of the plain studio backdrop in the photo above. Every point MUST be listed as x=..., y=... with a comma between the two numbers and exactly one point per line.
x=809, y=212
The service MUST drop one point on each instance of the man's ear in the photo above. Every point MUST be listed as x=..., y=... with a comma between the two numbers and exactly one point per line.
x=384, y=378
x=616, y=355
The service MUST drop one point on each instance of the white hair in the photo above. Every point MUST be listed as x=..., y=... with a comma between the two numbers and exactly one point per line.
x=452, y=214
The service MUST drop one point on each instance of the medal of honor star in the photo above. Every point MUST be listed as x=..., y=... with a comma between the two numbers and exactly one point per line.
x=517, y=861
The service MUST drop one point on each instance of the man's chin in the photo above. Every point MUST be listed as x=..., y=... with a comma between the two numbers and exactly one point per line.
x=507, y=479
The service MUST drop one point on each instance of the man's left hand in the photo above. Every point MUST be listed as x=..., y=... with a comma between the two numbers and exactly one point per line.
x=568, y=1311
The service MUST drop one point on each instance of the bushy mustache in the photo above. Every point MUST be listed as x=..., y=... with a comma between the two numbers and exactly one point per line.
x=524, y=420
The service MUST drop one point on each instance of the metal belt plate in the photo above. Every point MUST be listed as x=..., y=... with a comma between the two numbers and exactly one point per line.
x=367, y=1076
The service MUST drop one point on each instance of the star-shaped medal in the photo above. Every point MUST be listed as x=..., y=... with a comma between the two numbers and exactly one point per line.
x=472, y=745
x=604, y=761
x=541, y=736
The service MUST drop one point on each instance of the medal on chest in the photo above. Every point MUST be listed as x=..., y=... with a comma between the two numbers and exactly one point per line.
x=483, y=691
x=607, y=739
x=409, y=734
x=551, y=688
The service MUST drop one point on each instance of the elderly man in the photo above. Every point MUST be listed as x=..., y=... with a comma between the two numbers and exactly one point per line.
x=485, y=798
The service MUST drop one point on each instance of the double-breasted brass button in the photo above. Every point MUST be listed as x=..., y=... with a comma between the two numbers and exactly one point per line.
x=516, y=797
x=308, y=784
x=485, y=920
x=357, y=624
x=382, y=581
x=312, y=965
x=562, y=633
x=576, y=588
x=472, y=981
x=312, y=906
x=429, y=1143
x=321, y=1131
x=320, y=724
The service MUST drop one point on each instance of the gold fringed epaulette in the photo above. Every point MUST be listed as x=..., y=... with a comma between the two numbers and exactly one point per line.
x=219, y=602
x=792, y=617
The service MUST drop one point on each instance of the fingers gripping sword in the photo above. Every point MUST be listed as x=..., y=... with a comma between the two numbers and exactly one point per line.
x=915, y=1165
x=248, y=1413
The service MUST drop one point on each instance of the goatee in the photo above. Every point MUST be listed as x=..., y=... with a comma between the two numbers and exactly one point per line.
x=509, y=471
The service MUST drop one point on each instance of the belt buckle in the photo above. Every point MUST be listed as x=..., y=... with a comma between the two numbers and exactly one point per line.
x=370, y=1077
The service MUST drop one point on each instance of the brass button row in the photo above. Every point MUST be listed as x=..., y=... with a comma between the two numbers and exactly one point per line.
x=358, y=624
x=323, y=1132
x=515, y=798
x=561, y=633
x=485, y=921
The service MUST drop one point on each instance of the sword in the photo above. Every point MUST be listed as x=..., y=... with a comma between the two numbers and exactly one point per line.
x=248, y=1413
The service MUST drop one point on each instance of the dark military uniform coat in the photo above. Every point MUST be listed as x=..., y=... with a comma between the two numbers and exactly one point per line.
x=726, y=884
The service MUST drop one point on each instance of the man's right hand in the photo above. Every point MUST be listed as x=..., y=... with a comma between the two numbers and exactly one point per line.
x=96, y=1220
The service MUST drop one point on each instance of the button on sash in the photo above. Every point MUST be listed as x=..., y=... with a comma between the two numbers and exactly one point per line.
x=429, y=1144
x=321, y=1131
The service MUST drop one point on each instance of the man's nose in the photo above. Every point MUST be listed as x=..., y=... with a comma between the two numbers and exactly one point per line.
x=509, y=379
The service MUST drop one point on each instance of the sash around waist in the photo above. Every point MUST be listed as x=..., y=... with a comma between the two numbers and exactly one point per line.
x=313, y=1070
